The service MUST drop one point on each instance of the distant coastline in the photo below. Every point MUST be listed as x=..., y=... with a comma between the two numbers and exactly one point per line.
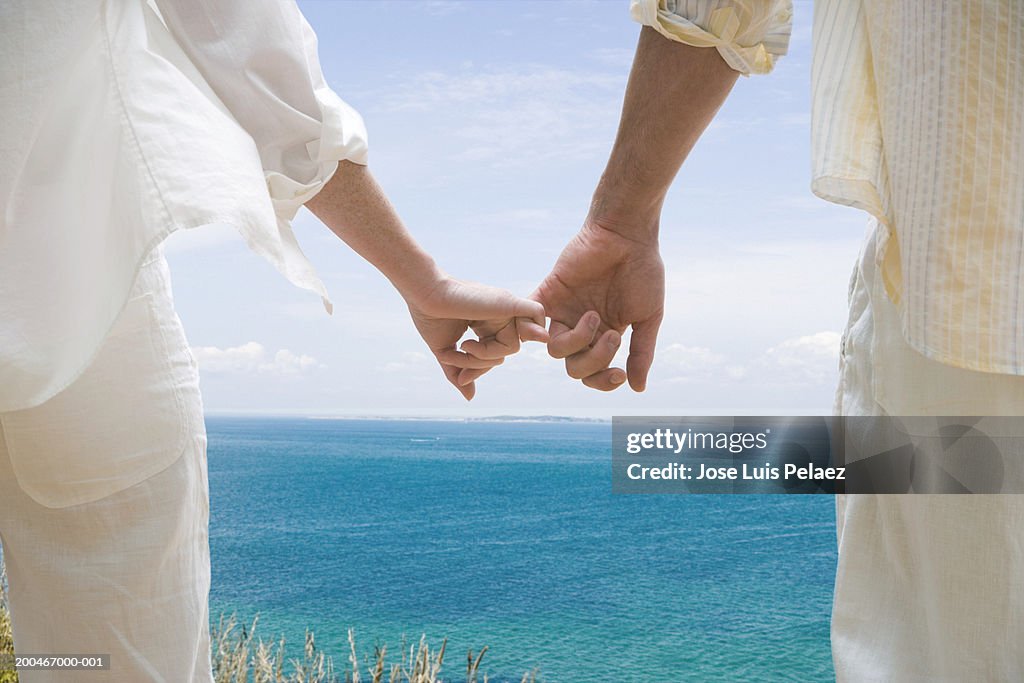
x=552, y=419
x=538, y=419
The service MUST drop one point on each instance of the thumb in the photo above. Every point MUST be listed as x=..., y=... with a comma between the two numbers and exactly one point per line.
x=492, y=303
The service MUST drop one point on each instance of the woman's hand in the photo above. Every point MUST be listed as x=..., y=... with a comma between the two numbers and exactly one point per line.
x=354, y=207
x=501, y=320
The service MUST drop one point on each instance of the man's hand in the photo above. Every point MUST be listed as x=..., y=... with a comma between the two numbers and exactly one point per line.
x=500, y=319
x=610, y=276
x=602, y=283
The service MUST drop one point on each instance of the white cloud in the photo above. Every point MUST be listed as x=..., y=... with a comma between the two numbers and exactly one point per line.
x=493, y=86
x=410, y=360
x=798, y=118
x=534, y=221
x=808, y=359
x=286, y=362
x=443, y=7
x=811, y=357
x=737, y=125
x=514, y=218
x=681, y=363
x=620, y=57
x=514, y=115
x=253, y=358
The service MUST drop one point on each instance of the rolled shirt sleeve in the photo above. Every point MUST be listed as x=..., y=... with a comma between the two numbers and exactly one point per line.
x=260, y=58
x=749, y=34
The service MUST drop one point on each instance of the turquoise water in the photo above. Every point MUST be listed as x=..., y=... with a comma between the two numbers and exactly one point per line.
x=507, y=535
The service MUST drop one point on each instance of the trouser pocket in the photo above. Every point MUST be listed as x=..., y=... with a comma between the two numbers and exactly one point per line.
x=127, y=417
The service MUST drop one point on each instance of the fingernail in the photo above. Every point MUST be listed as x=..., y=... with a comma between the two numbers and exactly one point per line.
x=614, y=341
x=618, y=378
x=593, y=322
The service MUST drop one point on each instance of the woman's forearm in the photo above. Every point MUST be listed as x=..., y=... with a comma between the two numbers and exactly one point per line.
x=356, y=209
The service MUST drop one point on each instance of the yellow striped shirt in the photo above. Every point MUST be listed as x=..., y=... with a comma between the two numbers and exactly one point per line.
x=918, y=118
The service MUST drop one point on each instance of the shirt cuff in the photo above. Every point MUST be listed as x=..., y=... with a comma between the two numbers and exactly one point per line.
x=749, y=34
x=342, y=138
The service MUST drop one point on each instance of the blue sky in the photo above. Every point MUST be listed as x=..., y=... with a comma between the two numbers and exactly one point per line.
x=490, y=122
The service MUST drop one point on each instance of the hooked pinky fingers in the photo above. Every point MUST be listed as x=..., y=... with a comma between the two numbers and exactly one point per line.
x=464, y=360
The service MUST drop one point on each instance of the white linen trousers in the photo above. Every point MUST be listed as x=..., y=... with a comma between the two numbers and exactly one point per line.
x=928, y=587
x=104, y=506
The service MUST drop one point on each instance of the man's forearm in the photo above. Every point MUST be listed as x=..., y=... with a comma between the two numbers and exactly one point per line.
x=355, y=208
x=673, y=93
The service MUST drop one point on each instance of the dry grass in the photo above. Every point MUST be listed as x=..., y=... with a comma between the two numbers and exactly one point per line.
x=238, y=657
x=6, y=638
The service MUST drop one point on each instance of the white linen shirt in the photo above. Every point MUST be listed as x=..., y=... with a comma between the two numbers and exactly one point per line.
x=122, y=121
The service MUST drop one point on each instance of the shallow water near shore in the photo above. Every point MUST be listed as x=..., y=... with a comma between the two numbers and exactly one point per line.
x=506, y=534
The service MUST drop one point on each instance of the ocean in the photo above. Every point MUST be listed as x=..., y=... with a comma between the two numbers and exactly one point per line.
x=506, y=534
